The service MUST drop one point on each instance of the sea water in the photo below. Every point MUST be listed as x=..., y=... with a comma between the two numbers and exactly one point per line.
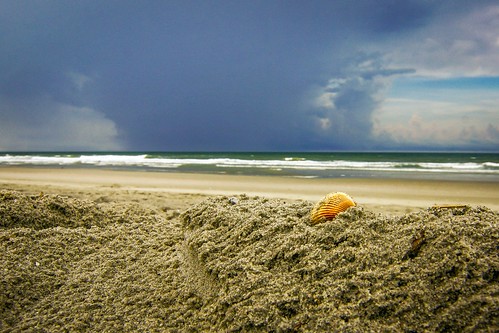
x=440, y=166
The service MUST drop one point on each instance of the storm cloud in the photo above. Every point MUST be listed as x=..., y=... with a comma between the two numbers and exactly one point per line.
x=231, y=75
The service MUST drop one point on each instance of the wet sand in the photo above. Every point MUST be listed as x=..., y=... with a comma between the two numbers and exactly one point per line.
x=180, y=191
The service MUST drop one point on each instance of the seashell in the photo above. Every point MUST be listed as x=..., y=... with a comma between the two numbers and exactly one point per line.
x=330, y=206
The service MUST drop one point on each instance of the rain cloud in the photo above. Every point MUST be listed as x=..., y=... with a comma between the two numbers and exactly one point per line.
x=246, y=75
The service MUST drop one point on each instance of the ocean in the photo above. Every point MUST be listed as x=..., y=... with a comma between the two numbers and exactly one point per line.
x=438, y=166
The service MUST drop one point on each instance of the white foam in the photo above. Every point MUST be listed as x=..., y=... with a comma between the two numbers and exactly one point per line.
x=142, y=160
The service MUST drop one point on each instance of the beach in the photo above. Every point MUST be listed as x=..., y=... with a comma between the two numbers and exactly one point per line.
x=95, y=250
x=182, y=190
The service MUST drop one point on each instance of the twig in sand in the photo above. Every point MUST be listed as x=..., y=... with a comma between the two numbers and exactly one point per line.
x=445, y=206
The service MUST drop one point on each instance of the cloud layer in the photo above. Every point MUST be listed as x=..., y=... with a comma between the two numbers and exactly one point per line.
x=463, y=44
x=230, y=75
x=441, y=125
x=45, y=125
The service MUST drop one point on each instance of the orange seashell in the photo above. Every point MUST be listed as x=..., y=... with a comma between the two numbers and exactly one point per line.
x=330, y=206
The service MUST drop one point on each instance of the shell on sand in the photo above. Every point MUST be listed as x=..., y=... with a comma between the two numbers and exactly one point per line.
x=330, y=206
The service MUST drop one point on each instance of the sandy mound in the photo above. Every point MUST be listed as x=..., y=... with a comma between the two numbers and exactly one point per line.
x=256, y=265
x=48, y=211
x=260, y=264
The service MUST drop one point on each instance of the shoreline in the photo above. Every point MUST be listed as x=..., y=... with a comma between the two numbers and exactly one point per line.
x=181, y=190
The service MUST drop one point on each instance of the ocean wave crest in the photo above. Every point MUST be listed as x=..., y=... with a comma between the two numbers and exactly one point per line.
x=145, y=160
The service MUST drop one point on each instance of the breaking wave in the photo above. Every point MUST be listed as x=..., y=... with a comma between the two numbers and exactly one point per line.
x=284, y=163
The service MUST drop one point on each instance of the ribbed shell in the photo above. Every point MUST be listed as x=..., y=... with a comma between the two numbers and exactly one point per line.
x=330, y=206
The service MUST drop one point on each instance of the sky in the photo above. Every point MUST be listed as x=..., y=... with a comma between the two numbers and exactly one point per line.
x=249, y=75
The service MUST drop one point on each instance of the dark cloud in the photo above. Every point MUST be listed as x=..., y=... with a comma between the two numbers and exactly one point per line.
x=344, y=108
x=199, y=75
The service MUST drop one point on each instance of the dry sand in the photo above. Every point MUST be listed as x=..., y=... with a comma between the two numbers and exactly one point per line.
x=128, y=252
